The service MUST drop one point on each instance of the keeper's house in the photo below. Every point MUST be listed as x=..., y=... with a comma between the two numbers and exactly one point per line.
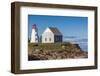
x=51, y=35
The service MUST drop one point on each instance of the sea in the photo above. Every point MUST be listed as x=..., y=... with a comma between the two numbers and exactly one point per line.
x=83, y=43
x=84, y=46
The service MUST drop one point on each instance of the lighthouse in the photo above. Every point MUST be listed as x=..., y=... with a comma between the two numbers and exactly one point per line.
x=34, y=34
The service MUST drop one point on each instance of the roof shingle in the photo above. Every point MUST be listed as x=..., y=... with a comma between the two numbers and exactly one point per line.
x=55, y=31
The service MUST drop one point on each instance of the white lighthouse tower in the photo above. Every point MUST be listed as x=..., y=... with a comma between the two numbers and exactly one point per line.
x=34, y=34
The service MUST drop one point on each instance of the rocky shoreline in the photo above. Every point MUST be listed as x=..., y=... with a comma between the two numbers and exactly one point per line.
x=67, y=52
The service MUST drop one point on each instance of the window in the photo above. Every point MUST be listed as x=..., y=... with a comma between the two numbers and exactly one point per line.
x=45, y=39
x=36, y=34
x=56, y=38
x=36, y=39
x=49, y=39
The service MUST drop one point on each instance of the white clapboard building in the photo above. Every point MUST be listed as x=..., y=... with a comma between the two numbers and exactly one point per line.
x=34, y=34
x=51, y=35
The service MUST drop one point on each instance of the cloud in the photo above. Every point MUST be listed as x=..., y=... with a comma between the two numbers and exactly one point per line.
x=76, y=40
x=82, y=40
x=71, y=37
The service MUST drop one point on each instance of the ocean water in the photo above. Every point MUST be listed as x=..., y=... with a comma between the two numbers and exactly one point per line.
x=83, y=43
x=84, y=46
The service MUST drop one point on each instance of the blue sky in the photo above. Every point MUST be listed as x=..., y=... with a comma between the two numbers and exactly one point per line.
x=70, y=26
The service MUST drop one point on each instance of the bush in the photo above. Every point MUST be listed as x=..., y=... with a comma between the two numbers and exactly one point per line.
x=66, y=44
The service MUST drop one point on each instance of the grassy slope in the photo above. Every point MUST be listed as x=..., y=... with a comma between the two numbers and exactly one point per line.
x=50, y=46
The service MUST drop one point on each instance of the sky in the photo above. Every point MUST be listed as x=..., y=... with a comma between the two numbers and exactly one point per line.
x=73, y=28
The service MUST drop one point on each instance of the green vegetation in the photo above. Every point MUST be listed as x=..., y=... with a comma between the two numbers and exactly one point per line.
x=49, y=46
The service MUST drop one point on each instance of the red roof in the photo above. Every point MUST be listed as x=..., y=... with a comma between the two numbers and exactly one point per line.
x=34, y=26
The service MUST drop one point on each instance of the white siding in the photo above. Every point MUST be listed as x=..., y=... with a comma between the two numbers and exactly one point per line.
x=47, y=36
x=34, y=37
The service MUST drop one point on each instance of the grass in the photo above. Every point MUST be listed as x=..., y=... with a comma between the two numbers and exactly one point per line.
x=48, y=46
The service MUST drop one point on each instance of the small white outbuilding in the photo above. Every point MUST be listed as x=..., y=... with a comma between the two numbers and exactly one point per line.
x=51, y=35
